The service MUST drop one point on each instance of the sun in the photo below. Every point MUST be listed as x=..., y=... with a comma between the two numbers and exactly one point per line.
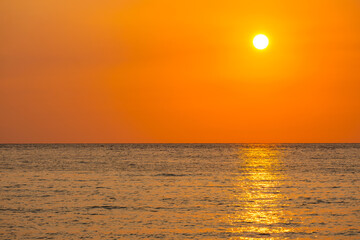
x=260, y=41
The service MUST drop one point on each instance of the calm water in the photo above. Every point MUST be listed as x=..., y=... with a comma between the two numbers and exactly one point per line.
x=180, y=191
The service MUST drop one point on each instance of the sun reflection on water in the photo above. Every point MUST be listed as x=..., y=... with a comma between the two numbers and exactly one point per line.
x=258, y=199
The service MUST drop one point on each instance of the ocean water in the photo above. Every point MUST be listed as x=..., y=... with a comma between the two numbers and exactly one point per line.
x=180, y=191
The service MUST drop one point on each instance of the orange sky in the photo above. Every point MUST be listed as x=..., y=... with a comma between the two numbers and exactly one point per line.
x=179, y=71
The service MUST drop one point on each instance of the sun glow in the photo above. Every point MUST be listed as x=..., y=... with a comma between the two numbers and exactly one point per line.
x=260, y=41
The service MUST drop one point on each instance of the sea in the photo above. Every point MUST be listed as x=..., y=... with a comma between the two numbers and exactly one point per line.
x=180, y=191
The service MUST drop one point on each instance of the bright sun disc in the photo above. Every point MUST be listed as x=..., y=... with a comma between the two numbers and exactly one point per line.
x=260, y=41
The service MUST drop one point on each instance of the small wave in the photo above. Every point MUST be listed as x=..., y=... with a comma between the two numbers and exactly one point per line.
x=106, y=207
x=170, y=175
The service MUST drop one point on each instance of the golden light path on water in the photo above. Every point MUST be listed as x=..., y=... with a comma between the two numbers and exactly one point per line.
x=260, y=203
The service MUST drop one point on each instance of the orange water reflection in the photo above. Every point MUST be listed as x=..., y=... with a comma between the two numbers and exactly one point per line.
x=258, y=198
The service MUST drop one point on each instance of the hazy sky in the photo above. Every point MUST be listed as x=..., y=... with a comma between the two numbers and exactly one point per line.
x=179, y=71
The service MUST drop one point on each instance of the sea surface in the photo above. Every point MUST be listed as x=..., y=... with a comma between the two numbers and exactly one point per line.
x=180, y=191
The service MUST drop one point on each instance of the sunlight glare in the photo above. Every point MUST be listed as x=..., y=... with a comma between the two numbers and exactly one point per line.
x=260, y=41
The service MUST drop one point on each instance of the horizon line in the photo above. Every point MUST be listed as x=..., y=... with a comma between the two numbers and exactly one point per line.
x=4, y=143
